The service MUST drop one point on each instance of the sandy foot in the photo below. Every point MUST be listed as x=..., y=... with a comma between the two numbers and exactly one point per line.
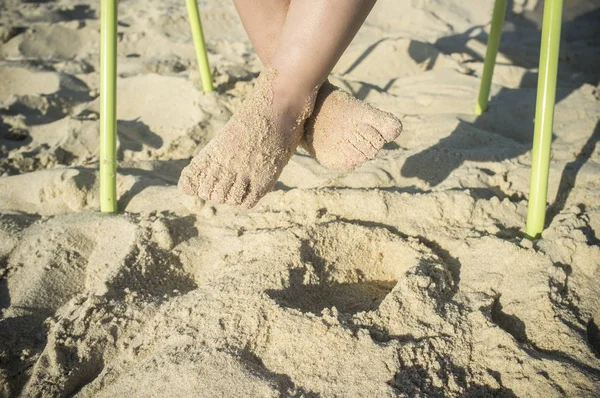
x=344, y=132
x=243, y=163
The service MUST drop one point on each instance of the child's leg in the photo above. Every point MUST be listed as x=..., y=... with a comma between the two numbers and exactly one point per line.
x=342, y=132
x=314, y=36
x=243, y=163
x=263, y=21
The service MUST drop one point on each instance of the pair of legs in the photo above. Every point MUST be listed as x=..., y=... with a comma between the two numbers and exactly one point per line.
x=299, y=43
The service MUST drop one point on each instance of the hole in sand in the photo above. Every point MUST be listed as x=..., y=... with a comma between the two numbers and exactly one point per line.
x=511, y=324
x=346, y=266
x=593, y=336
x=348, y=298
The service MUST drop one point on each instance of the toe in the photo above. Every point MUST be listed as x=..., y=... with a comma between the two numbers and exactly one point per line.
x=222, y=187
x=207, y=184
x=388, y=125
x=251, y=200
x=254, y=194
x=238, y=191
x=391, y=128
x=192, y=176
x=362, y=145
x=188, y=183
x=374, y=136
x=351, y=156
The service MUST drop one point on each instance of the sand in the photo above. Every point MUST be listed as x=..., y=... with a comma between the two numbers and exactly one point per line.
x=408, y=276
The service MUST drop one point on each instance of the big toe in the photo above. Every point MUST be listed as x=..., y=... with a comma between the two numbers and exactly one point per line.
x=387, y=124
x=187, y=183
x=192, y=176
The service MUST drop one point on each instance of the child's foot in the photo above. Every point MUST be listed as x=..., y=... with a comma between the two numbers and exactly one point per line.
x=344, y=132
x=243, y=163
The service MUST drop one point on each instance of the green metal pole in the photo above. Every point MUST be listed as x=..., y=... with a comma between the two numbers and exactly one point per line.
x=490, y=56
x=108, y=106
x=544, y=117
x=199, y=44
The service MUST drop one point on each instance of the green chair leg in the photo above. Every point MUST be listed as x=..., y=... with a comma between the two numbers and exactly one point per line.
x=199, y=44
x=108, y=106
x=544, y=117
x=490, y=56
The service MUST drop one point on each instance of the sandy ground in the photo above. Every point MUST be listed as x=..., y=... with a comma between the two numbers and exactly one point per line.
x=408, y=276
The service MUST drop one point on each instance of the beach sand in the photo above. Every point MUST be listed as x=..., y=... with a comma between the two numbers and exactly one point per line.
x=408, y=276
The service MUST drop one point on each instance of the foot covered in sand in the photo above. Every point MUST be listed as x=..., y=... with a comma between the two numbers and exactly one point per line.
x=344, y=132
x=243, y=163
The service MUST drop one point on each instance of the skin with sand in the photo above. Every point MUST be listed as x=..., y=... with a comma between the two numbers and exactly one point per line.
x=344, y=132
x=244, y=162
x=299, y=43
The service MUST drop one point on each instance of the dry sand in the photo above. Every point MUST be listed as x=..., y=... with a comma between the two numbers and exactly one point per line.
x=408, y=276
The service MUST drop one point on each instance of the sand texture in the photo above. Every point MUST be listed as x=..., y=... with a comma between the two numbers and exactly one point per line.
x=408, y=276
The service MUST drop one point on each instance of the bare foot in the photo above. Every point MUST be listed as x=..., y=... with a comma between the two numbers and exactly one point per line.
x=243, y=163
x=344, y=132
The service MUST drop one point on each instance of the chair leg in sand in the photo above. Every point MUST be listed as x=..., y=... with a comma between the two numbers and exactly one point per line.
x=108, y=106
x=544, y=117
x=493, y=45
x=199, y=44
x=108, y=93
x=544, y=110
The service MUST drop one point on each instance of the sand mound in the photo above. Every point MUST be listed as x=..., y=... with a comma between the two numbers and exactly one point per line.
x=351, y=304
x=18, y=82
x=409, y=276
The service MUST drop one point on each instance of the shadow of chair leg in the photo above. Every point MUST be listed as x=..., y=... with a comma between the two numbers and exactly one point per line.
x=569, y=175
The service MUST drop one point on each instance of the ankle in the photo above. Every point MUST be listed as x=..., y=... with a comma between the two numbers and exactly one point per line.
x=293, y=97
